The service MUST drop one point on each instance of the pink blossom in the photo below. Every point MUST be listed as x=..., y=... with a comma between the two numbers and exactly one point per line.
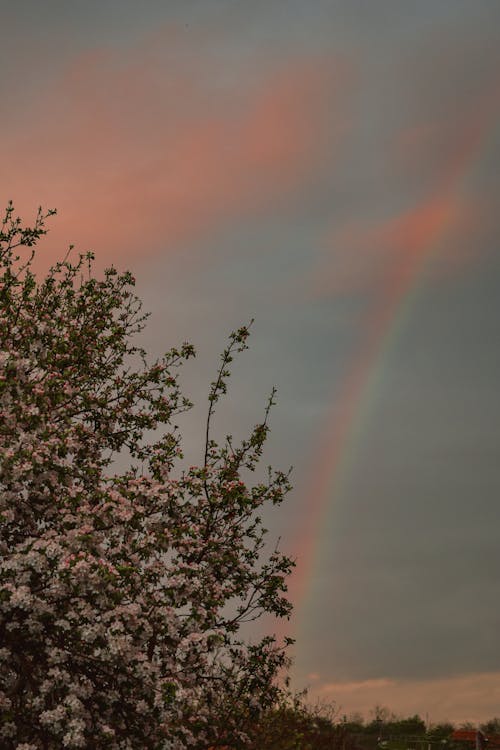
x=120, y=594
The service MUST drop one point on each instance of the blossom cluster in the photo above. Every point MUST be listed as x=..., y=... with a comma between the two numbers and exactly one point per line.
x=122, y=595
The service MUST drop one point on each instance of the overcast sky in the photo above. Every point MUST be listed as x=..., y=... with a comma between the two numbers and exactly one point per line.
x=331, y=169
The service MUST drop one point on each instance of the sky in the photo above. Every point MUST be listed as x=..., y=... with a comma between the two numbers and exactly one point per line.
x=330, y=169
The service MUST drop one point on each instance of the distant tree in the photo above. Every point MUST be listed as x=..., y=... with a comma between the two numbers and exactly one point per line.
x=492, y=726
x=354, y=723
x=121, y=594
x=412, y=725
x=296, y=725
x=441, y=731
x=381, y=715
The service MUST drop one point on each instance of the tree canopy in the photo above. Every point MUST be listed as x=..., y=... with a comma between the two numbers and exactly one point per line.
x=122, y=594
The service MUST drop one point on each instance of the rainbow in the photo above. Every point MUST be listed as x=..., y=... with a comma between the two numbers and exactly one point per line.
x=417, y=236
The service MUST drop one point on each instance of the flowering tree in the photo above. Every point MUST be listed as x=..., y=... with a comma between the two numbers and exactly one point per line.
x=121, y=595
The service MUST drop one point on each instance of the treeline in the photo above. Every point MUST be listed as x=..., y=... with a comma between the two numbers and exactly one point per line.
x=298, y=725
x=384, y=723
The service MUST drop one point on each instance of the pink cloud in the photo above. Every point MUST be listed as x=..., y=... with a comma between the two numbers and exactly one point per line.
x=472, y=697
x=443, y=221
x=370, y=255
x=146, y=154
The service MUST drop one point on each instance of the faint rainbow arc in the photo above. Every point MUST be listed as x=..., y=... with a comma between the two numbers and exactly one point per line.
x=352, y=402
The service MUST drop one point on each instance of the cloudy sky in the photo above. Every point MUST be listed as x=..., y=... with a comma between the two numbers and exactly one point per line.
x=331, y=169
